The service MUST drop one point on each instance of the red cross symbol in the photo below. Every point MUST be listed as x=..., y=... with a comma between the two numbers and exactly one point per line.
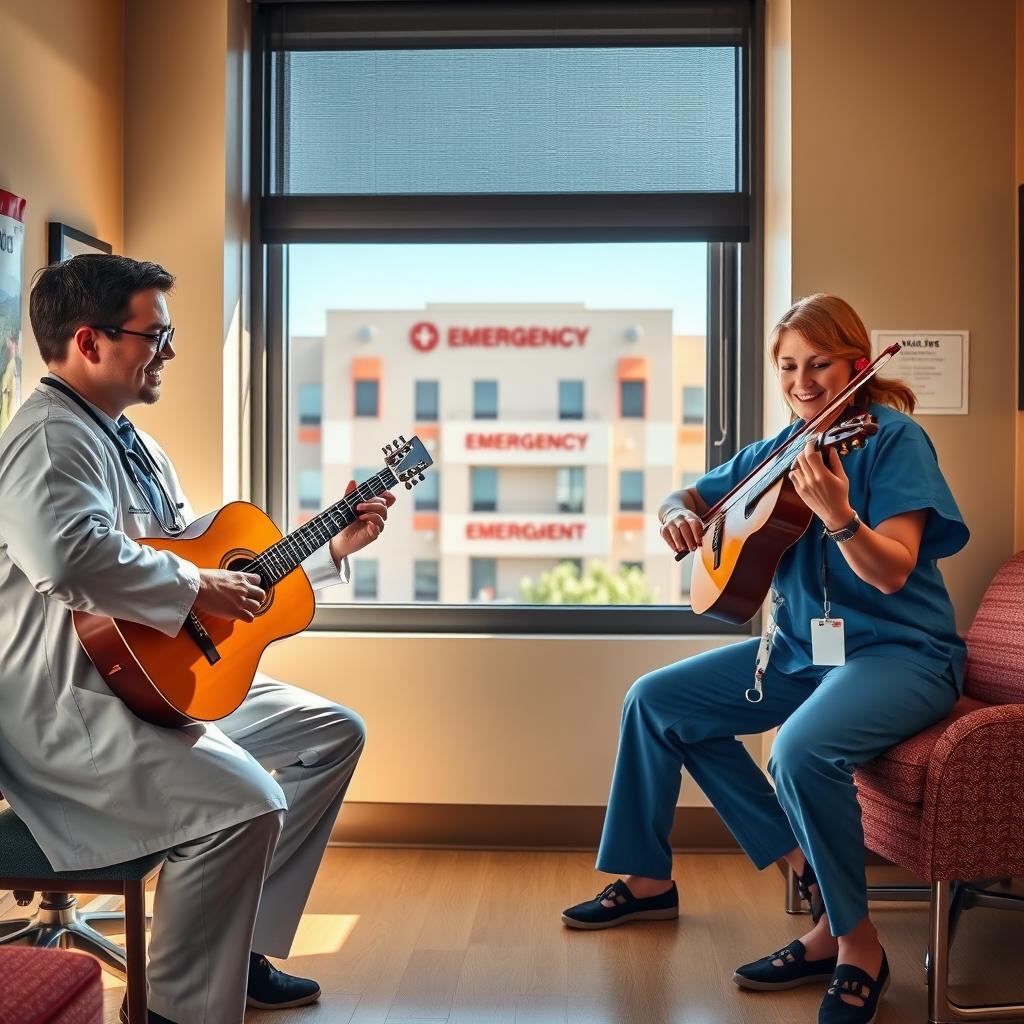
x=424, y=336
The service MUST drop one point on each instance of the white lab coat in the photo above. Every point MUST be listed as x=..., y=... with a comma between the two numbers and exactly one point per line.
x=95, y=784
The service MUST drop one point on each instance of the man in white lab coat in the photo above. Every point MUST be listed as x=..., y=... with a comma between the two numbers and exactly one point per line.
x=245, y=806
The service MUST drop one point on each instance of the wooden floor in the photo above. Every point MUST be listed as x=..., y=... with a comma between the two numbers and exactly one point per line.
x=424, y=936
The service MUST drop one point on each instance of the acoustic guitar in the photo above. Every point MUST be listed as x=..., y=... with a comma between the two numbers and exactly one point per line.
x=204, y=672
x=750, y=529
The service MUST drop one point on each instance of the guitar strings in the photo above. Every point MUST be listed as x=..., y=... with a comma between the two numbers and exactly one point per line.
x=284, y=555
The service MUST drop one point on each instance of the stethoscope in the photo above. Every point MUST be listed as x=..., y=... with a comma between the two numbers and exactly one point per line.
x=131, y=461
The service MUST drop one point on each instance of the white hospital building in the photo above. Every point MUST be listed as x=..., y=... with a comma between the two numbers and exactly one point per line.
x=556, y=431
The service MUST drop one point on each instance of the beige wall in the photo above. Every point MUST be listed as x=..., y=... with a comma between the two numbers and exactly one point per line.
x=61, y=128
x=903, y=203
x=185, y=207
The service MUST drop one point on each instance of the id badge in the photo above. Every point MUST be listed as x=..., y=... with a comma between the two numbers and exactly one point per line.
x=828, y=642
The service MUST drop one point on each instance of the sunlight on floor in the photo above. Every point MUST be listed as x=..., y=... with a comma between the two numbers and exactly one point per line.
x=322, y=933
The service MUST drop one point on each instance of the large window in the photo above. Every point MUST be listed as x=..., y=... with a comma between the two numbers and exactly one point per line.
x=430, y=209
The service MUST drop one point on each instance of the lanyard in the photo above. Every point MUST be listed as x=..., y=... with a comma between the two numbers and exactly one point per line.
x=146, y=462
x=756, y=693
x=824, y=569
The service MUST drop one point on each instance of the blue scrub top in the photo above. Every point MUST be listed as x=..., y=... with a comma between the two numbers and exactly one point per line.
x=896, y=471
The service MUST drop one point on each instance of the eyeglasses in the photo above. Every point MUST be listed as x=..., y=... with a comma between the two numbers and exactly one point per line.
x=162, y=338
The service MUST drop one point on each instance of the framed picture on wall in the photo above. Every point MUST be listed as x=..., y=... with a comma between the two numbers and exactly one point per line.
x=66, y=241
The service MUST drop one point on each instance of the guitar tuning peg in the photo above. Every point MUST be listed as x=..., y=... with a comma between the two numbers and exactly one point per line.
x=421, y=477
x=401, y=437
x=408, y=486
x=386, y=449
x=844, y=449
x=857, y=442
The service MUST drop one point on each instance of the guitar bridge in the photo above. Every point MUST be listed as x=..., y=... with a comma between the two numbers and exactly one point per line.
x=197, y=631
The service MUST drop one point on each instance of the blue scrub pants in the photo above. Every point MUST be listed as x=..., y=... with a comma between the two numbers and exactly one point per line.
x=688, y=715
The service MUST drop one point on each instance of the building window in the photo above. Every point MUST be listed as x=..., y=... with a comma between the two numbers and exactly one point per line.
x=364, y=579
x=570, y=399
x=631, y=490
x=309, y=489
x=310, y=405
x=483, y=579
x=427, y=401
x=632, y=399
x=426, y=494
x=483, y=485
x=570, y=488
x=626, y=566
x=485, y=399
x=425, y=580
x=367, y=398
x=693, y=405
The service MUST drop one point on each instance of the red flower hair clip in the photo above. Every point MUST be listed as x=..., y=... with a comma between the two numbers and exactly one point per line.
x=861, y=364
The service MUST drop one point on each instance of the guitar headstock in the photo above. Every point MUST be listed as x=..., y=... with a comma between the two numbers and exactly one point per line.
x=407, y=460
x=850, y=434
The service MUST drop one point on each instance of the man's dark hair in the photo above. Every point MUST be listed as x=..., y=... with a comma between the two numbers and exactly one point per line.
x=87, y=290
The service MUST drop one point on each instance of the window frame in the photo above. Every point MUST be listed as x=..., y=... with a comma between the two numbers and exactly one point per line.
x=735, y=300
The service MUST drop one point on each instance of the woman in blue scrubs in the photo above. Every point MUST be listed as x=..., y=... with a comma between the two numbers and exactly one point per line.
x=881, y=519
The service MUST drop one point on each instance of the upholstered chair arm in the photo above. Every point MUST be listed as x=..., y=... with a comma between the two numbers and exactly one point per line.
x=973, y=815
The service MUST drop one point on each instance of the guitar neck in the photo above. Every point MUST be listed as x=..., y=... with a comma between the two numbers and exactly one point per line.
x=291, y=550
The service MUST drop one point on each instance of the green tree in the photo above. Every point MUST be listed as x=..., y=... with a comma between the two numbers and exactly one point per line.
x=596, y=585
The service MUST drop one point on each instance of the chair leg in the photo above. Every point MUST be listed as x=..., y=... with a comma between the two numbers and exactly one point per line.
x=941, y=1009
x=794, y=905
x=135, y=950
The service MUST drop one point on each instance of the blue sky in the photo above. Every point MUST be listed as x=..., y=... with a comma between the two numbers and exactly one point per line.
x=627, y=275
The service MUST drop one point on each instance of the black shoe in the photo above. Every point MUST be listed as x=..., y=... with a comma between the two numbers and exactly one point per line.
x=271, y=989
x=852, y=981
x=594, y=914
x=153, y=1017
x=765, y=975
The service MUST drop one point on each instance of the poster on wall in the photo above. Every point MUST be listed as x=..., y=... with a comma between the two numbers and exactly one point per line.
x=935, y=364
x=12, y=260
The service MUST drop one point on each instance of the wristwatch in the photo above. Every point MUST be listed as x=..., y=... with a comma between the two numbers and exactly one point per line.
x=844, y=533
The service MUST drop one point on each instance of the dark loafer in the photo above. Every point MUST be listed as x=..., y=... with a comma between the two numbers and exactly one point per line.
x=626, y=907
x=765, y=975
x=271, y=989
x=852, y=981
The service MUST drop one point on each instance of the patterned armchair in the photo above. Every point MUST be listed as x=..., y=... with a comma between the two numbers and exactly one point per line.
x=948, y=803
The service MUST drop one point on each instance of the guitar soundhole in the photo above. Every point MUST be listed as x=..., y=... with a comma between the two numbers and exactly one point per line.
x=239, y=561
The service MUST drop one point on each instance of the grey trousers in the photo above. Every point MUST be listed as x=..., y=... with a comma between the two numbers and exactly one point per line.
x=244, y=888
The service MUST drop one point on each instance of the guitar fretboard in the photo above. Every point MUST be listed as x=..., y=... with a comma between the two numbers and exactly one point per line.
x=286, y=555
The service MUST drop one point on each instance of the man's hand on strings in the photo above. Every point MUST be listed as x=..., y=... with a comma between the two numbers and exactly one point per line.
x=824, y=489
x=367, y=528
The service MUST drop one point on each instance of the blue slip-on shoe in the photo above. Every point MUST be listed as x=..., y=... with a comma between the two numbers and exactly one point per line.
x=793, y=968
x=848, y=980
x=626, y=907
x=271, y=989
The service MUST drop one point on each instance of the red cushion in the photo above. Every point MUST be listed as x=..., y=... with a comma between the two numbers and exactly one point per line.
x=995, y=641
x=43, y=986
x=900, y=772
